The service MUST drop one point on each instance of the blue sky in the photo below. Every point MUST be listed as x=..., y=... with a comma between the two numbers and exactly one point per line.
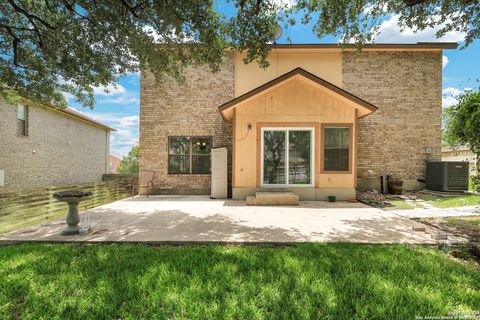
x=120, y=107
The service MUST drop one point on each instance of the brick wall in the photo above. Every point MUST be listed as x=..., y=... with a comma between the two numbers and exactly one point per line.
x=58, y=150
x=188, y=109
x=406, y=87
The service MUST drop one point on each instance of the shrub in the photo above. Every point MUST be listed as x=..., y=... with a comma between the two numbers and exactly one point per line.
x=474, y=184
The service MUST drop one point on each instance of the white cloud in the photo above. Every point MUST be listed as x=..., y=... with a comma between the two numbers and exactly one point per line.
x=172, y=36
x=451, y=91
x=284, y=3
x=445, y=61
x=110, y=90
x=68, y=96
x=448, y=101
x=389, y=31
x=130, y=121
x=124, y=99
x=369, y=8
x=450, y=96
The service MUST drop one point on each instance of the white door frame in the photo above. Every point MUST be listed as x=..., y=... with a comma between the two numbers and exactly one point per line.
x=312, y=156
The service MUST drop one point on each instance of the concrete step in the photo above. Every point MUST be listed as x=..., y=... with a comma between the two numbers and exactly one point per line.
x=251, y=201
x=276, y=198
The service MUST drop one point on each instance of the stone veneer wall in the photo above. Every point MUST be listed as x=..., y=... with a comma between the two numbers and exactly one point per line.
x=188, y=109
x=59, y=149
x=407, y=88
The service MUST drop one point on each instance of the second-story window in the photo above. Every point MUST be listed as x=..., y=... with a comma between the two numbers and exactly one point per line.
x=22, y=120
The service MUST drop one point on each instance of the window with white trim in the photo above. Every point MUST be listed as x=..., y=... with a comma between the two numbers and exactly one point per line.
x=287, y=156
x=22, y=120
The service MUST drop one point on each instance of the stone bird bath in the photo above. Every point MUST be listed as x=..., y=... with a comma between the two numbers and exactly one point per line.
x=72, y=198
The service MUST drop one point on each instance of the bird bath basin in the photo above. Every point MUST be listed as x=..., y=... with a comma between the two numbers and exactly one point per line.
x=72, y=198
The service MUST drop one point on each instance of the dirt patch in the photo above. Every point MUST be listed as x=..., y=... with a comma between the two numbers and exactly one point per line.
x=468, y=227
x=407, y=200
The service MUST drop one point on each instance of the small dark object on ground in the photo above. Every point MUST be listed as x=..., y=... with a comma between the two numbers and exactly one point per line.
x=332, y=198
x=395, y=187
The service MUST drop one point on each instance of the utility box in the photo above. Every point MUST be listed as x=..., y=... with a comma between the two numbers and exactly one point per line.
x=447, y=175
x=219, y=173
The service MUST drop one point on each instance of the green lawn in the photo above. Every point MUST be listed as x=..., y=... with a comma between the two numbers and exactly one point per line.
x=451, y=201
x=402, y=204
x=308, y=281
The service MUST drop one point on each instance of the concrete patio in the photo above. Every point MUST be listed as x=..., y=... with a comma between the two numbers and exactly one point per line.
x=199, y=219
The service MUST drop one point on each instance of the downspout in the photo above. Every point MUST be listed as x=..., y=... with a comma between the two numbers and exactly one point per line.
x=107, y=149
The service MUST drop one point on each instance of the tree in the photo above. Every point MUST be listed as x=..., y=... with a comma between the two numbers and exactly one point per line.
x=359, y=20
x=462, y=123
x=129, y=163
x=52, y=47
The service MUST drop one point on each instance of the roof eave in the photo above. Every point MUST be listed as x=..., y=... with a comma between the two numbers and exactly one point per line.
x=69, y=112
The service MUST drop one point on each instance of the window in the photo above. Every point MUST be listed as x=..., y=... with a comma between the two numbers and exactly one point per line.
x=189, y=155
x=336, y=148
x=287, y=156
x=22, y=120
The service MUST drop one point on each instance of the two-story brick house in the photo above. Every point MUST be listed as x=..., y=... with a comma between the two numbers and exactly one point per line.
x=41, y=146
x=320, y=120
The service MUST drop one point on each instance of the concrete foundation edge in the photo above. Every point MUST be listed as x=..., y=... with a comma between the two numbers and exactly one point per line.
x=305, y=194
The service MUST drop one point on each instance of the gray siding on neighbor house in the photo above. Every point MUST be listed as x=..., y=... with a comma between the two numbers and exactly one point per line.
x=59, y=149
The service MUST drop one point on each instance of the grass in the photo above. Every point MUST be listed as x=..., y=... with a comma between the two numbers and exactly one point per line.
x=402, y=204
x=450, y=201
x=305, y=281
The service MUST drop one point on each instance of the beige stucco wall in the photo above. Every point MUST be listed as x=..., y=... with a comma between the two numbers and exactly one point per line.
x=58, y=150
x=326, y=65
x=291, y=104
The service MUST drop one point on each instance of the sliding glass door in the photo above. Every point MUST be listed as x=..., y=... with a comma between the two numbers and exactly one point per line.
x=287, y=156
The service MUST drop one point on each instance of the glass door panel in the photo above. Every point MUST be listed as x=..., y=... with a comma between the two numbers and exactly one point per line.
x=299, y=157
x=274, y=155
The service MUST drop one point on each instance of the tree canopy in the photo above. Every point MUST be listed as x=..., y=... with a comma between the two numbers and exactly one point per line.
x=129, y=163
x=52, y=47
x=462, y=123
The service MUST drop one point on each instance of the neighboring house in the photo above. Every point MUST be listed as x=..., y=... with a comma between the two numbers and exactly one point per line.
x=113, y=163
x=42, y=146
x=318, y=121
x=462, y=153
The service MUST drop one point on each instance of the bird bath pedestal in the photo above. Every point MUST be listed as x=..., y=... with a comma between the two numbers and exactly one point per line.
x=72, y=198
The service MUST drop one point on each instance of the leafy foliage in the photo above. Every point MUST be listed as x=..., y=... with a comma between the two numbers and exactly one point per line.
x=474, y=183
x=462, y=123
x=129, y=163
x=52, y=47
x=359, y=20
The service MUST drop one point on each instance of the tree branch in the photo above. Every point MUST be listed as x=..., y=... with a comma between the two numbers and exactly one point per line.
x=15, y=42
x=134, y=8
x=31, y=17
